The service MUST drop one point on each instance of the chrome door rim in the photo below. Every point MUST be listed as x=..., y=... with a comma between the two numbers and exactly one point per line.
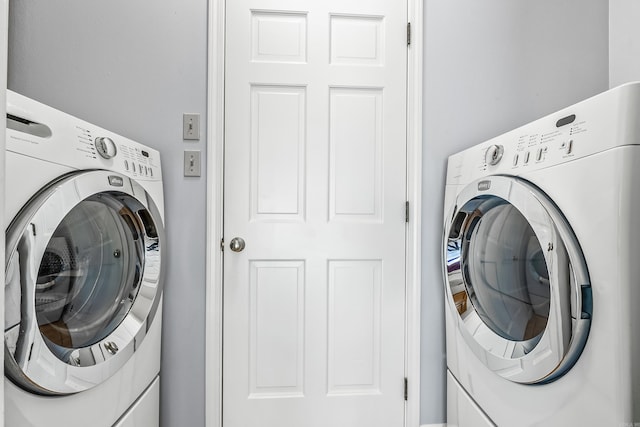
x=552, y=354
x=29, y=362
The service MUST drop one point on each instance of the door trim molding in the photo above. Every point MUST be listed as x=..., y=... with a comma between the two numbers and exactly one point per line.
x=215, y=178
x=414, y=195
x=215, y=174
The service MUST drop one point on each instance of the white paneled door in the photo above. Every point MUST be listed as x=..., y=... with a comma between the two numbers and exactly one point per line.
x=315, y=186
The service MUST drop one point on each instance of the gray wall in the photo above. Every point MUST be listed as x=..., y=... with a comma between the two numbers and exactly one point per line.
x=491, y=66
x=624, y=41
x=134, y=67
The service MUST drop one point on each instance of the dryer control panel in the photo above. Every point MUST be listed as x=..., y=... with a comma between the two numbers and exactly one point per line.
x=600, y=123
x=39, y=131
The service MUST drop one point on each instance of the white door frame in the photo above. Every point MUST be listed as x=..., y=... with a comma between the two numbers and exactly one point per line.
x=215, y=178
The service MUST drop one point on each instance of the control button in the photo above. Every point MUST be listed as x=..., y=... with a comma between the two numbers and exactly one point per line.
x=570, y=146
x=515, y=159
x=526, y=157
x=150, y=171
x=105, y=147
x=140, y=168
x=146, y=171
x=494, y=154
x=540, y=154
x=126, y=165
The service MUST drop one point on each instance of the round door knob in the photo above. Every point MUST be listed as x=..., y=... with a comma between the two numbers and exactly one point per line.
x=237, y=244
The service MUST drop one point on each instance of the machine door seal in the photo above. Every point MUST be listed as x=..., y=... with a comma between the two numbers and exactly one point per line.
x=516, y=280
x=84, y=278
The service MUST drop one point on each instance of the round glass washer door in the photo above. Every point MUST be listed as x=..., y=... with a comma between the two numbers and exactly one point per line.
x=84, y=279
x=517, y=281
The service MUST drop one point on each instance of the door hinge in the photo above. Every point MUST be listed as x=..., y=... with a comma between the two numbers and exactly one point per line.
x=222, y=245
x=408, y=33
x=406, y=388
x=406, y=211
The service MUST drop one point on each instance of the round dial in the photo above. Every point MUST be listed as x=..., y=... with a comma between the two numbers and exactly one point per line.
x=494, y=154
x=106, y=147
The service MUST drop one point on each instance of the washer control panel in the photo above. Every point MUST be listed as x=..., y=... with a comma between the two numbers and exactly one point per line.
x=535, y=148
x=527, y=150
x=600, y=123
x=40, y=131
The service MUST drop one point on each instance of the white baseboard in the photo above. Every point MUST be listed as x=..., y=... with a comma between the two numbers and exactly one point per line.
x=433, y=425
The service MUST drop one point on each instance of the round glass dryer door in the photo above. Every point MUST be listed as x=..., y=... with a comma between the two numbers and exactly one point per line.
x=83, y=281
x=517, y=280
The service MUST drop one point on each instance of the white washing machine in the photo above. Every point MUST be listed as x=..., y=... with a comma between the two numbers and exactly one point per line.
x=84, y=273
x=542, y=271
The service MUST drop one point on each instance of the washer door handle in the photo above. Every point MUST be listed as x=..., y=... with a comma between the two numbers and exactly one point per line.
x=237, y=244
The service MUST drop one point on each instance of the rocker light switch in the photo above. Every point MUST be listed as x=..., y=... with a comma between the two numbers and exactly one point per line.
x=192, y=163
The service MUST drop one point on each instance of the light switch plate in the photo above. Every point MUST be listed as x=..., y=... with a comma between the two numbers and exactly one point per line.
x=191, y=162
x=191, y=126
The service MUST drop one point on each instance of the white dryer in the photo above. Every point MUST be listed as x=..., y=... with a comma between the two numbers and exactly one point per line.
x=541, y=271
x=84, y=273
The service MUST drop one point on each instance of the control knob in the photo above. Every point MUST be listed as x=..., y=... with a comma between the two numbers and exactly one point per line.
x=494, y=154
x=106, y=147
